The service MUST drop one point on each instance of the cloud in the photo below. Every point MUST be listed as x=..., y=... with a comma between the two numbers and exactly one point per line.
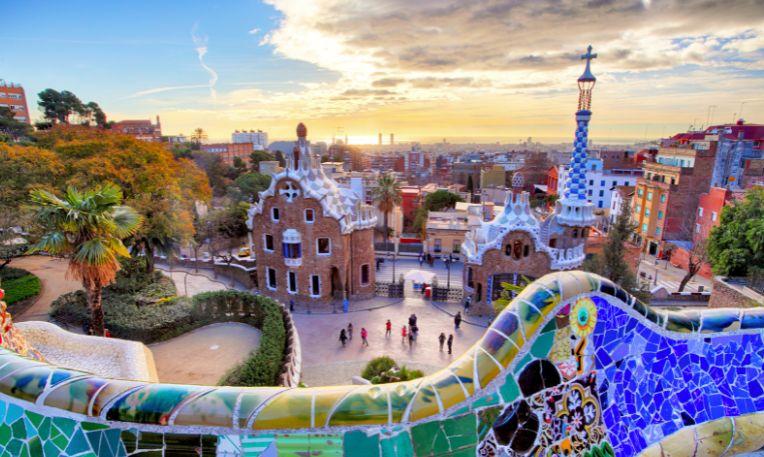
x=254, y=31
x=200, y=41
x=158, y=90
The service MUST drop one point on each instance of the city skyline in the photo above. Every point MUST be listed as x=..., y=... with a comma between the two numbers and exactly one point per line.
x=464, y=71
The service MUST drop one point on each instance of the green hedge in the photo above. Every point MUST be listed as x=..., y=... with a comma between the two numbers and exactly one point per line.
x=172, y=317
x=18, y=284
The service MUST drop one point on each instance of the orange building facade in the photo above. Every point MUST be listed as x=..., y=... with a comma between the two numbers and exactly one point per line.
x=229, y=151
x=12, y=96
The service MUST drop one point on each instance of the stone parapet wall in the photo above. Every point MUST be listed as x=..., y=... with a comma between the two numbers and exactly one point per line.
x=726, y=295
x=572, y=365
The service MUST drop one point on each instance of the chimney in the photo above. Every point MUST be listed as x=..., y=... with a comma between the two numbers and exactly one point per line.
x=392, y=138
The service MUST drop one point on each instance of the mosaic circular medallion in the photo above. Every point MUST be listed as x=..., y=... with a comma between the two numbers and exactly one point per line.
x=583, y=317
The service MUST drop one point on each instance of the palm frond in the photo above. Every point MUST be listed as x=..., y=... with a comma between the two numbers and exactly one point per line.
x=127, y=221
x=53, y=242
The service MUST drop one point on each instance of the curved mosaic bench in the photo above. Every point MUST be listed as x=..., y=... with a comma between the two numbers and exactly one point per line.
x=573, y=366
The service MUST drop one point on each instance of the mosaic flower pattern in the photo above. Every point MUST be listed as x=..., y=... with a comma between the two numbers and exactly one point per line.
x=573, y=366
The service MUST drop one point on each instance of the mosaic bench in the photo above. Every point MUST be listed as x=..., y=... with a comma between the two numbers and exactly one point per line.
x=573, y=366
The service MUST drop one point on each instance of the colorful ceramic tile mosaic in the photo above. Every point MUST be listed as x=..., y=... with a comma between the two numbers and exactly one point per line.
x=573, y=366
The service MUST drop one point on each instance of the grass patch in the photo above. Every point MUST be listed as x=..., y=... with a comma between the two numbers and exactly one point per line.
x=18, y=284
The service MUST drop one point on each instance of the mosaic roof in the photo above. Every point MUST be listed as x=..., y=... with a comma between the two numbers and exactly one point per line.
x=338, y=202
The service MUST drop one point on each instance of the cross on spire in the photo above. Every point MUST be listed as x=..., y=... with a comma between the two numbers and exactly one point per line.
x=588, y=56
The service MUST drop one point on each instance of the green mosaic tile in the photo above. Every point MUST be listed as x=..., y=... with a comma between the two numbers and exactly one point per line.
x=5, y=434
x=488, y=400
x=78, y=443
x=34, y=418
x=19, y=429
x=444, y=437
x=486, y=418
x=551, y=326
x=509, y=390
x=43, y=431
x=50, y=449
x=542, y=345
x=397, y=446
x=429, y=439
x=65, y=425
x=358, y=444
x=88, y=426
x=35, y=446
x=14, y=447
x=460, y=432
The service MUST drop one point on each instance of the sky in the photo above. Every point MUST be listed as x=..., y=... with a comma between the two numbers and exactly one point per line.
x=426, y=70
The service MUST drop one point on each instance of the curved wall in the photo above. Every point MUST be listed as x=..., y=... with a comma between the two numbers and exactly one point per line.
x=573, y=366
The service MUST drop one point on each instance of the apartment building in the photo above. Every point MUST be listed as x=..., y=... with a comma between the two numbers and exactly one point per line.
x=12, y=96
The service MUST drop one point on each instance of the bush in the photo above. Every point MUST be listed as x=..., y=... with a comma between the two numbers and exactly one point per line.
x=8, y=273
x=19, y=285
x=383, y=370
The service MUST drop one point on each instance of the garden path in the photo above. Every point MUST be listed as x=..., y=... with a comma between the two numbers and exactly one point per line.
x=204, y=355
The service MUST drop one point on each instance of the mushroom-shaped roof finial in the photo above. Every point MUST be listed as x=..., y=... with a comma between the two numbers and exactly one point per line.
x=302, y=131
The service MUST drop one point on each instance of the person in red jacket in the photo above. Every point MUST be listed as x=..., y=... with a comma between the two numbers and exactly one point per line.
x=364, y=337
x=388, y=328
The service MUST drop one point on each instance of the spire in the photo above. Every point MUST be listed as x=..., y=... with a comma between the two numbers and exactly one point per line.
x=573, y=208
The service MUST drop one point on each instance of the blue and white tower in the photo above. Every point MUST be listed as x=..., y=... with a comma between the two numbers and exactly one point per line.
x=573, y=209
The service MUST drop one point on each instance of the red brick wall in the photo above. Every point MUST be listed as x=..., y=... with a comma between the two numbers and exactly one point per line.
x=292, y=215
x=681, y=259
x=495, y=261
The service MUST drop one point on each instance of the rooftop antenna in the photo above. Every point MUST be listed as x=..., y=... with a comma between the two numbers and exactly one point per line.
x=708, y=118
x=740, y=114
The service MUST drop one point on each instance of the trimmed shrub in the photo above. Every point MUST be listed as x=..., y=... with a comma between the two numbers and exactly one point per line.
x=172, y=317
x=383, y=370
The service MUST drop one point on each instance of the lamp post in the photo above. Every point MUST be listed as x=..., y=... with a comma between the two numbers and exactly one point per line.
x=447, y=260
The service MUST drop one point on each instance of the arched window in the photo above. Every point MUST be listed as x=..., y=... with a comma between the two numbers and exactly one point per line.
x=508, y=250
x=575, y=233
x=526, y=250
x=517, y=249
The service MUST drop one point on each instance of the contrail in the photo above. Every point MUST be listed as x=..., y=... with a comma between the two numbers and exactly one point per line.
x=201, y=50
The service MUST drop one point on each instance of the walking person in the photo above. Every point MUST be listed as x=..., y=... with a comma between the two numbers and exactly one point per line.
x=411, y=337
x=403, y=334
x=457, y=320
x=450, y=342
x=467, y=302
x=442, y=340
x=414, y=333
x=350, y=330
x=343, y=337
x=388, y=329
x=364, y=337
x=421, y=260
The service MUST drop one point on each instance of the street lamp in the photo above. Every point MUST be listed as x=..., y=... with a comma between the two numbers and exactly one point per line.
x=447, y=261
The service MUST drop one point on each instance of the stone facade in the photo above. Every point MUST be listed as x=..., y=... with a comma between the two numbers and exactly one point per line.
x=516, y=258
x=313, y=240
x=727, y=295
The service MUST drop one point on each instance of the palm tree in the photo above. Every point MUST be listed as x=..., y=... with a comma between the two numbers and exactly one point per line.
x=88, y=227
x=199, y=135
x=387, y=195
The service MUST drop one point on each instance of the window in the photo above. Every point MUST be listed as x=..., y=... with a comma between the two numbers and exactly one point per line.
x=552, y=242
x=602, y=183
x=615, y=183
x=436, y=245
x=644, y=228
x=649, y=196
x=640, y=192
x=526, y=250
x=713, y=216
x=575, y=233
x=660, y=214
x=309, y=216
x=663, y=198
x=599, y=204
x=291, y=250
x=470, y=279
x=315, y=285
x=275, y=214
x=591, y=182
x=271, y=278
x=697, y=228
x=268, y=243
x=700, y=211
x=323, y=246
x=639, y=209
x=457, y=247
x=292, y=282
x=590, y=192
x=517, y=249
x=657, y=230
x=365, y=274
x=647, y=212
x=602, y=194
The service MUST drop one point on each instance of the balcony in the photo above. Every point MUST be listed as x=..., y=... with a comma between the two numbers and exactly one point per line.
x=566, y=259
x=293, y=262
